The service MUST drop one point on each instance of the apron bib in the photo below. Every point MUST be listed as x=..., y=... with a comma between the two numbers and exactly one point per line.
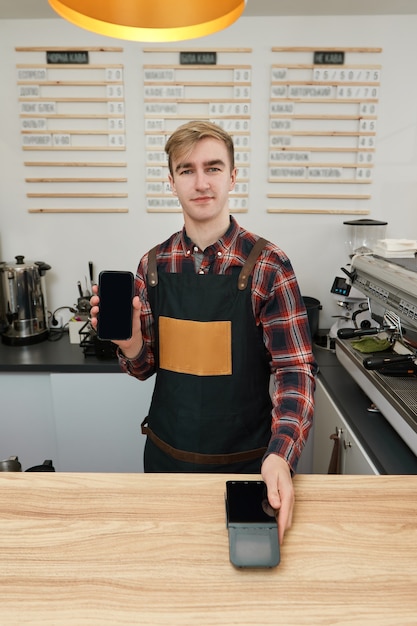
x=211, y=408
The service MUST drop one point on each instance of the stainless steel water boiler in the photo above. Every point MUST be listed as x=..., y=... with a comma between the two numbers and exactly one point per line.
x=24, y=303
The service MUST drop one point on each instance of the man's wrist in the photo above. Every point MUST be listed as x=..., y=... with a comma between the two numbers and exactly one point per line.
x=129, y=355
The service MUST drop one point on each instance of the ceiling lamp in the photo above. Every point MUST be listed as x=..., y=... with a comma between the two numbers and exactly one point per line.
x=151, y=20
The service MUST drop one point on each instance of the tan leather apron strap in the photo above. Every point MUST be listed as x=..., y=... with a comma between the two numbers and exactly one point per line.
x=335, y=465
x=152, y=269
x=250, y=263
x=195, y=457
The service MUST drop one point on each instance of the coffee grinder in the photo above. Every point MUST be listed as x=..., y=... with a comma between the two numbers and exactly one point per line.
x=361, y=238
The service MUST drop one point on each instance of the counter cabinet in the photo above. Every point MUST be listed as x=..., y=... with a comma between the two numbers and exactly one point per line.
x=328, y=421
x=84, y=422
x=369, y=444
x=91, y=423
x=85, y=415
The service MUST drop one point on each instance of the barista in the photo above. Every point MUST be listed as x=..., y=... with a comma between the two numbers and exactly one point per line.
x=217, y=312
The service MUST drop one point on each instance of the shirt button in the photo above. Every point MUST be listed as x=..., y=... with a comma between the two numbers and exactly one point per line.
x=188, y=253
x=195, y=248
x=219, y=254
x=201, y=272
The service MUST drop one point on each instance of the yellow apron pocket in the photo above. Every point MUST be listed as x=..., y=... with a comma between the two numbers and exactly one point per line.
x=199, y=348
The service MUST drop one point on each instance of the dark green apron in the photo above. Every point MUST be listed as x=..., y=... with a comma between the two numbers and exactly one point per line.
x=202, y=422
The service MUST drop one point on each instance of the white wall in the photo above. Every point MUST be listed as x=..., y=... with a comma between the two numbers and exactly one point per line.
x=315, y=243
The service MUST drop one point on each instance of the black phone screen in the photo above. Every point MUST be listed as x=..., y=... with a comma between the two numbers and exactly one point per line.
x=115, y=316
x=247, y=502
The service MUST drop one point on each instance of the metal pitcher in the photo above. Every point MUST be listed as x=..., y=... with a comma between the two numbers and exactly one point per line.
x=24, y=302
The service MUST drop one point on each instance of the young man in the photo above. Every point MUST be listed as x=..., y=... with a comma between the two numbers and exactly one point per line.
x=218, y=311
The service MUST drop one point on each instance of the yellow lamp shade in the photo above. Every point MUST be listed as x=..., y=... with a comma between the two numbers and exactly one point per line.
x=151, y=20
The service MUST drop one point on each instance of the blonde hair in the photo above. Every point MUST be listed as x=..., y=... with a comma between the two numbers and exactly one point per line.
x=183, y=140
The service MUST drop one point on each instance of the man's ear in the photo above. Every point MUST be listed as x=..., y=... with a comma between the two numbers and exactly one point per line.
x=233, y=177
x=171, y=182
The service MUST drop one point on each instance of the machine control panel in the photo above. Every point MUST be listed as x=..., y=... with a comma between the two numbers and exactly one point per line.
x=340, y=287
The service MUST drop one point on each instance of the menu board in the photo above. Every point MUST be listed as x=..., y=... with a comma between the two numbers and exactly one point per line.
x=72, y=125
x=182, y=86
x=323, y=111
x=322, y=136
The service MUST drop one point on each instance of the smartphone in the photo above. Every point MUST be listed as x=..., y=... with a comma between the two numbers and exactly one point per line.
x=252, y=525
x=116, y=290
x=247, y=502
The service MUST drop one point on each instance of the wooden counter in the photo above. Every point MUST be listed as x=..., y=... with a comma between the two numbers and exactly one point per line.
x=96, y=549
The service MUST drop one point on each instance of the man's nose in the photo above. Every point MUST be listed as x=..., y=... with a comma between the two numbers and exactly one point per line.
x=201, y=181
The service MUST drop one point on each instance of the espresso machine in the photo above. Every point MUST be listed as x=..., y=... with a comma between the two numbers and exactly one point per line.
x=22, y=302
x=361, y=238
x=388, y=376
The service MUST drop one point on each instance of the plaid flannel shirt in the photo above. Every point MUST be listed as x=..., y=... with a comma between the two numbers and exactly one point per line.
x=278, y=307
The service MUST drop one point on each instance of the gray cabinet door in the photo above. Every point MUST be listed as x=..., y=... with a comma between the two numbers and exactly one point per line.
x=27, y=427
x=327, y=421
x=98, y=419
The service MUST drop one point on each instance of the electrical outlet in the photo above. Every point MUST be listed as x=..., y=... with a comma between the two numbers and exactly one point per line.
x=56, y=322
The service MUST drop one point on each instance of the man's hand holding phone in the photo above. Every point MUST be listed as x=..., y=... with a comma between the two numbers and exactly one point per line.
x=128, y=335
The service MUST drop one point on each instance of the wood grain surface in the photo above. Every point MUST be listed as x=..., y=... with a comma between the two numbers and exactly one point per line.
x=87, y=549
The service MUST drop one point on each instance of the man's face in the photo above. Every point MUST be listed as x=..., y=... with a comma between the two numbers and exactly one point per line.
x=202, y=180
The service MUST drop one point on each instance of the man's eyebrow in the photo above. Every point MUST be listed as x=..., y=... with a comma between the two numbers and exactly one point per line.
x=184, y=166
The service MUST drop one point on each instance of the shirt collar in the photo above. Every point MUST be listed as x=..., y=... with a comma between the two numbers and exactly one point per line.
x=221, y=246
